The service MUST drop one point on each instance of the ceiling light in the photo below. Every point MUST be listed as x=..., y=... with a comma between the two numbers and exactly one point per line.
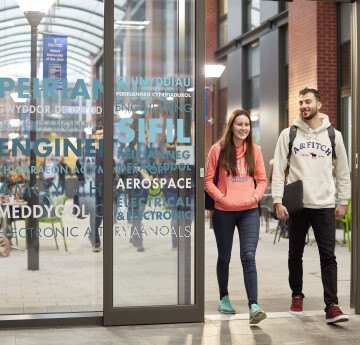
x=214, y=71
x=131, y=24
x=35, y=5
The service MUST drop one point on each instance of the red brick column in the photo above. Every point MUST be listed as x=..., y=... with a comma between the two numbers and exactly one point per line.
x=313, y=54
x=211, y=42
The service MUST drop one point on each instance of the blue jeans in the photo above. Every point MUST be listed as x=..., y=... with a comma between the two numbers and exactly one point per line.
x=248, y=224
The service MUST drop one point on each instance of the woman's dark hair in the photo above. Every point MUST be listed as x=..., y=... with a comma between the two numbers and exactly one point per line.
x=228, y=149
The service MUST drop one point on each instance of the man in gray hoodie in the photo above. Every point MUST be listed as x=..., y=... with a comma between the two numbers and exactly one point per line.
x=311, y=161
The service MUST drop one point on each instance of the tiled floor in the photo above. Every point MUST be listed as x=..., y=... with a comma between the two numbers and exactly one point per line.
x=72, y=281
x=66, y=281
x=308, y=330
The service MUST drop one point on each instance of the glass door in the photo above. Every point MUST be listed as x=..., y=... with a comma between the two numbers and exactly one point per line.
x=153, y=243
x=48, y=111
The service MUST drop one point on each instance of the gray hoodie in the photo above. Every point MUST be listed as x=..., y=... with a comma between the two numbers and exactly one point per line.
x=311, y=162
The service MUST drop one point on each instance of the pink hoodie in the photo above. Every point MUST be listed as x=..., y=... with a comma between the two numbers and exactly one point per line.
x=238, y=190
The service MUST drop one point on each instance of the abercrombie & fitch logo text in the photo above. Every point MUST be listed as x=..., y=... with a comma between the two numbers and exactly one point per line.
x=313, y=145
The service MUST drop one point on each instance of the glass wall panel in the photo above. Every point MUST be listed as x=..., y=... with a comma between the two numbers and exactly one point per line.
x=252, y=10
x=154, y=171
x=223, y=32
x=345, y=64
x=253, y=87
x=253, y=75
x=50, y=107
x=223, y=7
x=223, y=22
x=346, y=125
x=254, y=60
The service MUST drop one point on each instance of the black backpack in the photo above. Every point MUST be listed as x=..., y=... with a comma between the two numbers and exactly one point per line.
x=292, y=136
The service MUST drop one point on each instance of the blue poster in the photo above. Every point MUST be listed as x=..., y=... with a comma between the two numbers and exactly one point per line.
x=54, y=56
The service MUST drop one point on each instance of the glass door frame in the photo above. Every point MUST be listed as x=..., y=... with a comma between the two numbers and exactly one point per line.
x=154, y=314
x=355, y=176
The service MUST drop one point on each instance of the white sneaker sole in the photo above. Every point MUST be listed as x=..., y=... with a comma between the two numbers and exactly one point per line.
x=227, y=312
x=296, y=313
x=257, y=318
x=340, y=318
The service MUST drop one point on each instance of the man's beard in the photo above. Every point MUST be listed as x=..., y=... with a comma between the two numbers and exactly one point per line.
x=310, y=116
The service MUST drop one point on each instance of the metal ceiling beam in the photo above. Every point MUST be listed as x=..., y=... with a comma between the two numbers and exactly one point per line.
x=24, y=59
x=56, y=17
x=7, y=46
x=60, y=7
x=55, y=24
x=92, y=44
x=121, y=8
x=83, y=58
x=86, y=60
x=76, y=8
x=269, y=25
x=28, y=52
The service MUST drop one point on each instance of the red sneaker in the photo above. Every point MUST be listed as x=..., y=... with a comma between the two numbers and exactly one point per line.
x=297, y=305
x=334, y=314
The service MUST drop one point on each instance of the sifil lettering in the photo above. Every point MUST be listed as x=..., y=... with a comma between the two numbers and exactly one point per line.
x=312, y=145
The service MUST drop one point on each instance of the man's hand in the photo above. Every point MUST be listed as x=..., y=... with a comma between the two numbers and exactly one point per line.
x=281, y=211
x=340, y=211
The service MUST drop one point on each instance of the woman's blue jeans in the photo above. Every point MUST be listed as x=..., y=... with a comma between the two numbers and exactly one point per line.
x=248, y=224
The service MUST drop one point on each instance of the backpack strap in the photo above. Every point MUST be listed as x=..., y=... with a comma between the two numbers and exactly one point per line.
x=292, y=136
x=331, y=132
x=216, y=180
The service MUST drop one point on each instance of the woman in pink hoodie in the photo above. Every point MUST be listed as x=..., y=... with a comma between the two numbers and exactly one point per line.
x=236, y=204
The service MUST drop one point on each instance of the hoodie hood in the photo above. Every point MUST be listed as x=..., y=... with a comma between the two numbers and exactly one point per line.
x=300, y=123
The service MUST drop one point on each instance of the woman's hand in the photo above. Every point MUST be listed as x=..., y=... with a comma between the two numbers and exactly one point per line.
x=254, y=199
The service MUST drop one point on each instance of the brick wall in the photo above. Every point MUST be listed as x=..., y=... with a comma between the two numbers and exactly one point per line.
x=312, y=54
x=211, y=39
x=327, y=59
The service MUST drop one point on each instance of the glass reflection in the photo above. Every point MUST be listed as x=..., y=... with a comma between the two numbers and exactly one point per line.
x=68, y=109
x=154, y=154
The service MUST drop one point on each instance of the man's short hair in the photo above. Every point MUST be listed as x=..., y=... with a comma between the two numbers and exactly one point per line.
x=98, y=128
x=313, y=91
